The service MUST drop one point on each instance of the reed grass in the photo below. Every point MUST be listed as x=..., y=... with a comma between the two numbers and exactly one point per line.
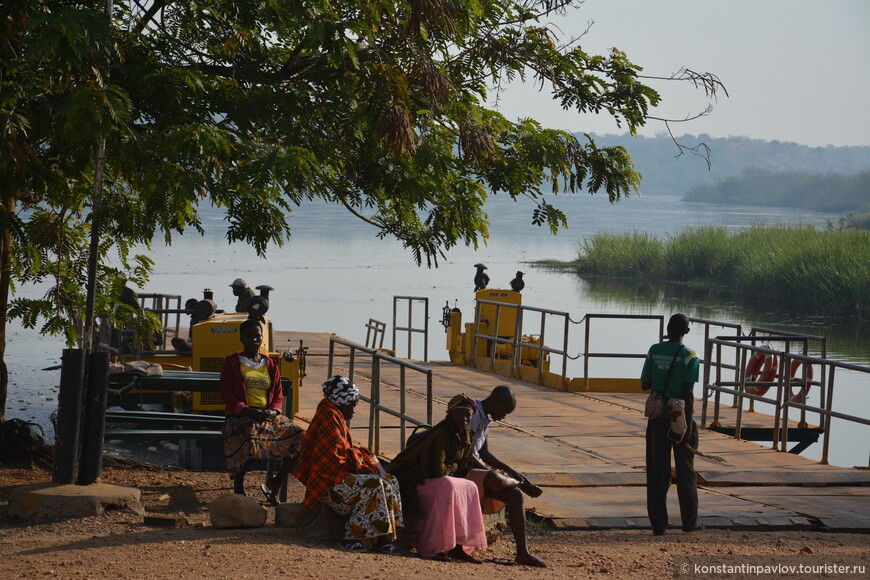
x=795, y=268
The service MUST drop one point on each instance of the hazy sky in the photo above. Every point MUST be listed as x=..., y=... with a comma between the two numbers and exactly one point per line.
x=796, y=70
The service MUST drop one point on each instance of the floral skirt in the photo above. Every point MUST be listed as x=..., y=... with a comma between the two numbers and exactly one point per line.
x=371, y=503
x=248, y=440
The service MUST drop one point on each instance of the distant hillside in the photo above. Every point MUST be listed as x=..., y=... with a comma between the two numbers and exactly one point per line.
x=663, y=172
x=829, y=192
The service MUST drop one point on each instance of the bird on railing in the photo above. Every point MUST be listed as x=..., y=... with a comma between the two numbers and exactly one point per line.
x=517, y=283
x=481, y=279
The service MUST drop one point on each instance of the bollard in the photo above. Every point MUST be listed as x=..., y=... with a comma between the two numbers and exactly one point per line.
x=94, y=419
x=69, y=409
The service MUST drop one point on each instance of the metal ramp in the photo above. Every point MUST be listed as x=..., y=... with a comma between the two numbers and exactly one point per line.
x=587, y=451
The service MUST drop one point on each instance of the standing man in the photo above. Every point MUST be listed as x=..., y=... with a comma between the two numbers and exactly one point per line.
x=496, y=488
x=672, y=369
x=244, y=293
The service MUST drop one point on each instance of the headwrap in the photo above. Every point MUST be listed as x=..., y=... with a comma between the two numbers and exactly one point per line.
x=340, y=390
x=462, y=400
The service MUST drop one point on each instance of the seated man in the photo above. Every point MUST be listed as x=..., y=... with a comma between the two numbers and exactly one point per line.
x=497, y=480
x=255, y=429
x=244, y=294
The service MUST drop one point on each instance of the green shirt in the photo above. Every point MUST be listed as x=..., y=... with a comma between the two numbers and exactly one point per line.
x=658, y=360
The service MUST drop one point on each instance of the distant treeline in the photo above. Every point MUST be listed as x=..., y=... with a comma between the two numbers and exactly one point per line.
x=755, y=186
x=793, y=268
x=665, y=171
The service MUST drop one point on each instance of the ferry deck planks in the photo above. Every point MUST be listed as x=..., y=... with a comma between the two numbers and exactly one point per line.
x=587, y=451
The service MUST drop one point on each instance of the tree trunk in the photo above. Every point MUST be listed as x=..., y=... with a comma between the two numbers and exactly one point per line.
x=6, y=211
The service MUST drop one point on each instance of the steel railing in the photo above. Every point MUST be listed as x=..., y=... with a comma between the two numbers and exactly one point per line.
x=783, y=399
x=515, y=342
x=409, y=328
x=376, y=407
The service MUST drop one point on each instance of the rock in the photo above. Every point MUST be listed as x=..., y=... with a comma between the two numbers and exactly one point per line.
x=317, y=523
x=236, y=511
x=807, y=550
x=48, y=501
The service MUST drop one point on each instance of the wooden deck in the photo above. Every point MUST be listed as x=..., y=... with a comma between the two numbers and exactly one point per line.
x=587, y=451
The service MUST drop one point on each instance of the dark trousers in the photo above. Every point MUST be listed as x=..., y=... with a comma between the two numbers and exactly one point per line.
x=658, y=475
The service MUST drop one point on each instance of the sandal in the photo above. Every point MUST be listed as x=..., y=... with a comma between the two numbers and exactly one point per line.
x=352, y=546
x=389, y=549
x=270, y=497
x=502, y=561
x=461, y=556
x=440, y=557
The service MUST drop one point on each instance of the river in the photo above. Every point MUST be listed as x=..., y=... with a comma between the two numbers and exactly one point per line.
x=335, y=274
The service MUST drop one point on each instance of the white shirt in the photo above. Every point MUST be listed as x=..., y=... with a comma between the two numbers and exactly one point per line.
x=479, y=426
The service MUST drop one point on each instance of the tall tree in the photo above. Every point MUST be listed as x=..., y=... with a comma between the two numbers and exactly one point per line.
x=257, y=106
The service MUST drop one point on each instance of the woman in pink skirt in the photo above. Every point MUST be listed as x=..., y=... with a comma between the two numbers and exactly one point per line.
x=431, y=474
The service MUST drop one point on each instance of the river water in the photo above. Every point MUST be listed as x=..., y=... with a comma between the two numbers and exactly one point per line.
x=335, y=274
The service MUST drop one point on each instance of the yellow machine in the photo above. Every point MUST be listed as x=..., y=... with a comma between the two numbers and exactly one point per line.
x=217, y=337
x=496, y=316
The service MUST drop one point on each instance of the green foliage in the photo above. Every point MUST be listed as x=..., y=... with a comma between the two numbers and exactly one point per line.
x=256, y=107
x=852, y=221
x=627, y=254
x=766, y=188
x=797, y=268
x=699, y=253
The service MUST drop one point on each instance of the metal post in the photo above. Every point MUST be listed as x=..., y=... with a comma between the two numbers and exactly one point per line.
x=778, y=410
x=565, y=352
x=96, y=393
x=741, y=388
x=402, y=407
x=827, y=418
x=541, y=352
x=426, y=331
x=476, y=332
x=586, y=357
x=410, y=325
x=69, y=410
x=708, y=353
x=782, y=400
x=331, y=356
x=516, y=348
x=429, y=397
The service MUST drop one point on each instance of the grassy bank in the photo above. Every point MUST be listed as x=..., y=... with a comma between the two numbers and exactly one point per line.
x=796, y=268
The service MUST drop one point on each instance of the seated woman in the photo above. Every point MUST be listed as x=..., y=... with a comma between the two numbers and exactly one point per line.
x=348, y=479
x=255, y=429
x=431, y=474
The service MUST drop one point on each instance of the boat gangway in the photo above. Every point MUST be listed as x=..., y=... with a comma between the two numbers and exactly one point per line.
x=586, y=448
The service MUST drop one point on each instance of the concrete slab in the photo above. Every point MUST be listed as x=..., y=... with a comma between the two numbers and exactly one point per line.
x=630, y=502
x=43, y=501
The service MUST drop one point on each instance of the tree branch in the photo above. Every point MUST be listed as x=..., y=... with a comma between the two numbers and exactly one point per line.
x=149, y=14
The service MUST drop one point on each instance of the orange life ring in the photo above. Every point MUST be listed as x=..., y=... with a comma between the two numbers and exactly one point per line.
x=800, y=396
x=761, y=367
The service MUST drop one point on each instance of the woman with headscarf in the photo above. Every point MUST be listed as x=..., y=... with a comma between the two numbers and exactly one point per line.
x=431, y=474
x=255, y=427
x=348, y=479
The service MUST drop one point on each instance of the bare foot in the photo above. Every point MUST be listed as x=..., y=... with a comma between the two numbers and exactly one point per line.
x=530, y=489
x=530, y=560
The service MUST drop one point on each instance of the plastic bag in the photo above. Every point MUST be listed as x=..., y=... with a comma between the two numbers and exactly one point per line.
x=654, y=404
x=677, y=414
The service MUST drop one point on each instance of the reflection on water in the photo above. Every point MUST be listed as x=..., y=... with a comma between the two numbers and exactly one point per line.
x=335, y=274
x=847, y=336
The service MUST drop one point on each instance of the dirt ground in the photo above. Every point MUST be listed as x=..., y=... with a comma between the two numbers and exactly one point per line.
x=120, y=545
